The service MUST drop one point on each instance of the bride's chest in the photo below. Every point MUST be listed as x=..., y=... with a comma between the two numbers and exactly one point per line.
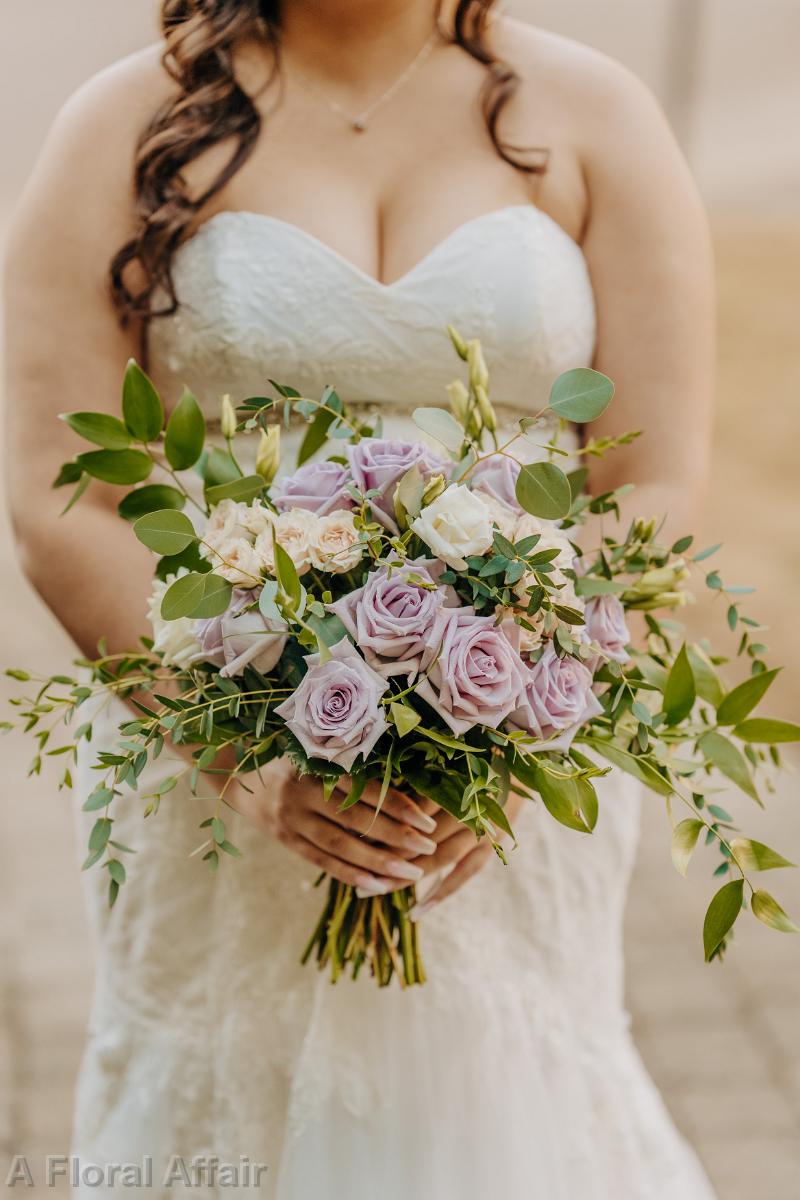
x=261, y=299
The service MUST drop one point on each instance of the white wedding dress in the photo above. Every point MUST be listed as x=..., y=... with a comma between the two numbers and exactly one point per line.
x=512, y=1073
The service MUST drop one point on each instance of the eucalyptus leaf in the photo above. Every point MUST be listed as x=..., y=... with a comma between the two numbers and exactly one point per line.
x=166, y=531
x=99, y=428
x=218, y=467
x=183, y=597
x=216, y=597
x=116, y=466
x=581, y=395
x=440, y=425
x=141, y=404
x=543, y=491
x=186, y=433
x=150, y=498
x=721, y=915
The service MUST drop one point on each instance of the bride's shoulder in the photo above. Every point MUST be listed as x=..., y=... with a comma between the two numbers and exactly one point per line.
x=83, y=169
x=598, y=96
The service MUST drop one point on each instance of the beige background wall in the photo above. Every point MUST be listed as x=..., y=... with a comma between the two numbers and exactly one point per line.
x=722, y=1043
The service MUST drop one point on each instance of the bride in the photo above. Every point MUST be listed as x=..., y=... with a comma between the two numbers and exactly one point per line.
x=310, y=192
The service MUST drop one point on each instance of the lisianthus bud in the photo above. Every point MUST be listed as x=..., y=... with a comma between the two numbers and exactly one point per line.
x=485, y=409
x=228, y=418
x=435, y=487
x=644, y=531
x=458, y=342
x=478, y=373
x=268, y=457
x=459, y=400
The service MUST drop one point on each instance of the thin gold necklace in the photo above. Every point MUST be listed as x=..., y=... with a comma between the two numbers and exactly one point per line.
x=360, y=122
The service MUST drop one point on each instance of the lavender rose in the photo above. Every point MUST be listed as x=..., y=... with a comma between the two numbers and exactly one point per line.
x=241, y=637
x=319, y=487
x=557, y=700
x=475, y=674
x=335, y=712
x=605, y=624
x=497, y=477
x=378, y=463
x=391, y=616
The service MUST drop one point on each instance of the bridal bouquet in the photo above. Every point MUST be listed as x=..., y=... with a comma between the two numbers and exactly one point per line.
x=421, y=617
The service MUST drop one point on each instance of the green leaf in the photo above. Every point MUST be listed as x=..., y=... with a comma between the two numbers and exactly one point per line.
x=116, y=870
x=767, y=732
x=190, y=559
x=577, y=481
x=684, y=840
x=166, y=531
x=99, y=798
x=150, y=498
x=706, y=679
x=141, y=404
x=680, y=692
x=743, y=699
x=704, y=554
x=76, y=495
x=218, y=467
x=592, y=585
x=286, y=574
x=315, y=436
x=329, y=629
x=581, y=395
x=216, y=597
x=727, y=759
x=244, y=489
x=71, y=472
x=183, y=597
x=755, y=856
x=186, y=433
x=640, y=768
x=116, y=466
x=722, y=912
x=404, y=718
x=440, y=425
x=99, y=428
x=771, y=913
x=543, y=490
x=572, y=801
x=101, y=832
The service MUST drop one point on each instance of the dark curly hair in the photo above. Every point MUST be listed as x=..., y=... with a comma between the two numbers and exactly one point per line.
x=211, y=107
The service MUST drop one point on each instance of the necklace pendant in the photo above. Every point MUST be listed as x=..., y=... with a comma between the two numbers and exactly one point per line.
x=358, y=125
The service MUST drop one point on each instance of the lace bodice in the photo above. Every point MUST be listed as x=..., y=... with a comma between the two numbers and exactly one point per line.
x=262, y=299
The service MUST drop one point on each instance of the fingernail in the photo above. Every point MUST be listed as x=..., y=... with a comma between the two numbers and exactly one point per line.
x=419, y=910
x=403, y=870
x=422, y=845
x=372, y=887
x=421, y=820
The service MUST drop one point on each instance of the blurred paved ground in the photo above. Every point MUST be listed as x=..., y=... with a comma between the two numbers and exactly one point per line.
x=721, y=1042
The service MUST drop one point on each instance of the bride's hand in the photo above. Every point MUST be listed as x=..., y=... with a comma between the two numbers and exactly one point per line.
x=371, y=852
x=459, y=851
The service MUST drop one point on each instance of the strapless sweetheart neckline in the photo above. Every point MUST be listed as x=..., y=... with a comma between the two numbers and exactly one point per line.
x=427, y=259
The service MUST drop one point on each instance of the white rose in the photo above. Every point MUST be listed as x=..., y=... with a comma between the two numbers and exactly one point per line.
x=293, y=531
x=334, y=544
x=239, y=563
x=455, y=525
x=500, y=514
x=224, y=525
x=175, y=640
x=257, y=518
